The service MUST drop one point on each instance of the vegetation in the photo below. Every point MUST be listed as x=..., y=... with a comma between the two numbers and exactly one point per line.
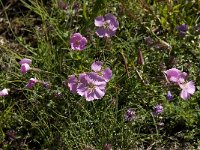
x=136, y=112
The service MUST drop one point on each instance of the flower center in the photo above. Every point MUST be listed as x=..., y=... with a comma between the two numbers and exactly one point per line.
x=77, y=42
x=91, y=86
x=107, y=24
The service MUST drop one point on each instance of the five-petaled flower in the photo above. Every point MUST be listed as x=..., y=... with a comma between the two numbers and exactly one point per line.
x=78, y=42
x=175, y=75
x=25, y=65
x=107, y=24
x=91, y=86
x=187, y=89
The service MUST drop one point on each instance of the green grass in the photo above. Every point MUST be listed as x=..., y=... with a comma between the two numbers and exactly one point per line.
x=54, y=118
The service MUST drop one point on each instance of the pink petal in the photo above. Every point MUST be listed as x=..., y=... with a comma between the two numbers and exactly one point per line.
x=113, y=20
x=100, y=32
x=82, y=89
x=75, y=37
x=95, y=79
x=184, y=95
x=72, y=84
x=82, y=78
x=173, y=79
x=190, y=87
x=25, y=60
x=109, y=33
x=4, y=92
x=99, y=21
x=83, y=43
x=173, y=74
x=107, y=74
x=99, y=93
x=96, y=66
x=89, y=96
x=182, y=77
x=31, y=82
x=24, y=68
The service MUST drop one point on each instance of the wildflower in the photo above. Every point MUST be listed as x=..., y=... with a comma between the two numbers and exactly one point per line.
x=169, y=95
x=175, y=75
x=25, y=65
x=91, y=86
x=129, y=115
x=4, y=92
x=107, y=25
x=158, y=109
x=182, y=29
x=31, y=82
x=187, y=89
x=78, y=42
x=106, y=74
x=25, y=68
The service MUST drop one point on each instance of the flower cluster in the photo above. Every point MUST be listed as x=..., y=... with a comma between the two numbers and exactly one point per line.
x=178, y=77
x=91, y=85
x=107, y=26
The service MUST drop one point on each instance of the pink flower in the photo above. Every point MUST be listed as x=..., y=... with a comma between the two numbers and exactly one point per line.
x=25, y=65
x=107, y=24
x=106, y=74
x=187, y=89
x=91, y=86
x=4, y=92
x=31, y=82
x=175, y=75
x=25, y=68
x=78, y=42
